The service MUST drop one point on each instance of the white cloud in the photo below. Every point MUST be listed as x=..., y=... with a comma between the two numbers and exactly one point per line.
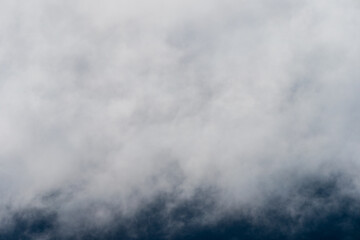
x=116, y=102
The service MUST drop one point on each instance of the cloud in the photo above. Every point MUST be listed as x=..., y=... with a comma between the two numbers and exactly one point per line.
x=105, y=107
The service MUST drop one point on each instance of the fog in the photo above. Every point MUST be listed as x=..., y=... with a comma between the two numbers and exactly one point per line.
x=107, y=106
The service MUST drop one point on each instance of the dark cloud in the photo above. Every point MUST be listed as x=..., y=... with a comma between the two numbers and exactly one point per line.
x=323, y=212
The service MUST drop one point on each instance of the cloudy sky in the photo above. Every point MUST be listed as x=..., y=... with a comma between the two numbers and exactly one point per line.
x=180, y=119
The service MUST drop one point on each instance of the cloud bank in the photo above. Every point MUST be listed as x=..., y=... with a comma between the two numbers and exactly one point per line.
x=109, y=107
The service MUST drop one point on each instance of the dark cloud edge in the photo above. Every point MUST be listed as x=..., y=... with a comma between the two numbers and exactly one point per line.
x=313, y=208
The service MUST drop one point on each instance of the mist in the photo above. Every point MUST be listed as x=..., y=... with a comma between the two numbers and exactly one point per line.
x=232, y=108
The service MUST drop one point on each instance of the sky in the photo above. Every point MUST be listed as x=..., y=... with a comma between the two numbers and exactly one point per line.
x=216, y=119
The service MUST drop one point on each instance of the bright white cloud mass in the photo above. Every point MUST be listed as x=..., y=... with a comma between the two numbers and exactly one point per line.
x=107, y=106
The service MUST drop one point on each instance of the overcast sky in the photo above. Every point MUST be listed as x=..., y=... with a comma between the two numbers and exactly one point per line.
x=107, y=106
